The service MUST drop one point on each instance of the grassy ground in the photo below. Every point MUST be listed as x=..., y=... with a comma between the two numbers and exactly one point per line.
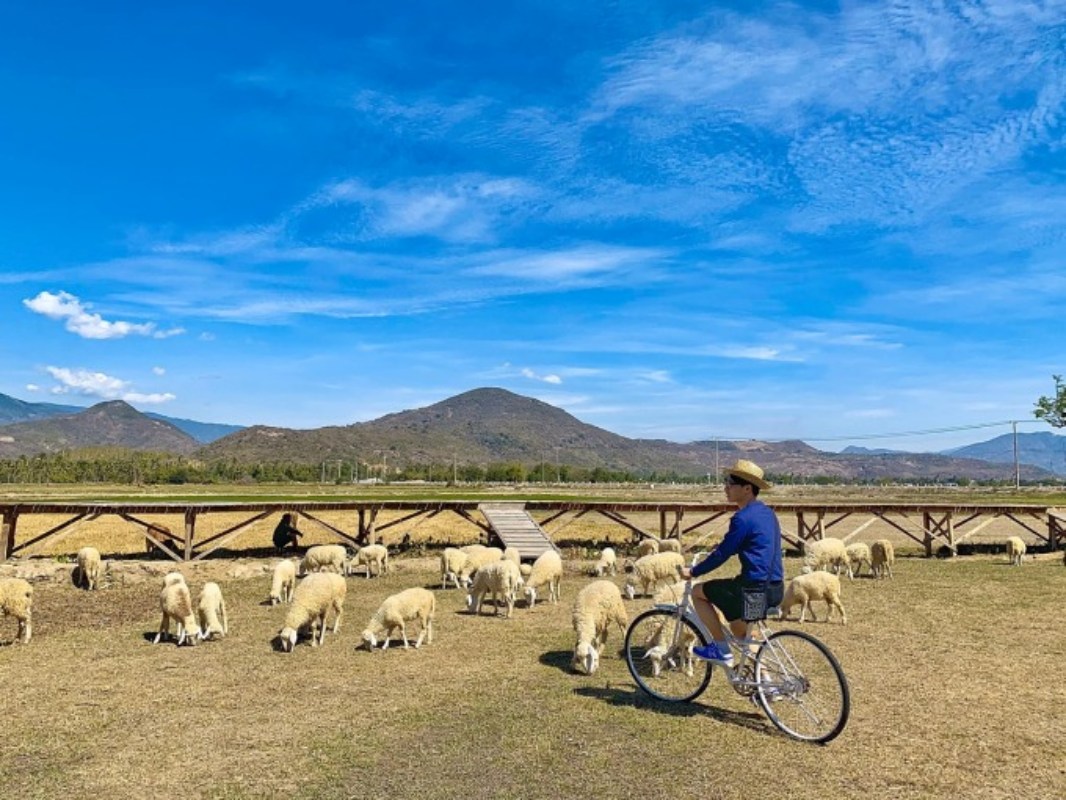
x=954, y=668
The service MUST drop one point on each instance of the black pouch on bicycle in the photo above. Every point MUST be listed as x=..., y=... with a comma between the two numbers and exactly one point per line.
x=754, y=602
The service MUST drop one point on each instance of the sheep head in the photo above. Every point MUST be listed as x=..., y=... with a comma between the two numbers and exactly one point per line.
x=286, y=639
x=369, y=639
x=586, y=657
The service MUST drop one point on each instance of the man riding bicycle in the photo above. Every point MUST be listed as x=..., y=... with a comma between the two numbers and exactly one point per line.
x=754, y=536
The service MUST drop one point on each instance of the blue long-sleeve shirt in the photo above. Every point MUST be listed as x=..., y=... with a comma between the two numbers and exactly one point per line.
x=754, y=536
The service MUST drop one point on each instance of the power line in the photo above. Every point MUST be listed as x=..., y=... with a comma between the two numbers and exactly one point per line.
x=867, y=436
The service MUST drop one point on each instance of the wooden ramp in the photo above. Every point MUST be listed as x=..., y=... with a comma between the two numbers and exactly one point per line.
x=514, y=527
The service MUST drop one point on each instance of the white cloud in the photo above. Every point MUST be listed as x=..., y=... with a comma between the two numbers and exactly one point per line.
x=528, y=373
x=78, y=319
x=98, y=384
x=158, y=371
x=32, y=387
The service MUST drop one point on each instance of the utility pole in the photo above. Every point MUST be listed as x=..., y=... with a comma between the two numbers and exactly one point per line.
x=455, y=469
x=1017, y=466
x=558, y=479
x=717, y=474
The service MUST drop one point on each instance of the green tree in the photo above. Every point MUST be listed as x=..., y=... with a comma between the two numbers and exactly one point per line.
x=1053, y=409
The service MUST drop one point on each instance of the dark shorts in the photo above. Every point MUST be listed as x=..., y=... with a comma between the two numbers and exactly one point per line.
x=728, y=595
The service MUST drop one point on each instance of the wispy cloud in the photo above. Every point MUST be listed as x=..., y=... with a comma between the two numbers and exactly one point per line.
x=79, y=320
x=98, y=384
x=526, y=372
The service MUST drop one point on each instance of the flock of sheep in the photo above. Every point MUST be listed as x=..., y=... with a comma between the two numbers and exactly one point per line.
x=482, y=571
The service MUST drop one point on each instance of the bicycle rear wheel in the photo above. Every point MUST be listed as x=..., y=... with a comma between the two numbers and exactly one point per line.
x=801, y=687
x=659, y=656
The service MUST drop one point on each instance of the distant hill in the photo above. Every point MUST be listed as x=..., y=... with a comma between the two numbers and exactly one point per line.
x=1044, y=449
x=111, y=424
x=494, y=425
x=13, y=411
x=854, y=450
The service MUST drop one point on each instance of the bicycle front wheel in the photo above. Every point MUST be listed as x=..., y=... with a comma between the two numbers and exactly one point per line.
x=801, y=687
x=659, y=655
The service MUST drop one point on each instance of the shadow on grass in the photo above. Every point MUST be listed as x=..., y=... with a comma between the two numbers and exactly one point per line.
x=631, y=696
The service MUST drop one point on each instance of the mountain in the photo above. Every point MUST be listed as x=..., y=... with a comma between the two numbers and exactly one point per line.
x=114, y=424
x=1045, y=449
x=14, y=411
x=855, y=450
x=493, y=425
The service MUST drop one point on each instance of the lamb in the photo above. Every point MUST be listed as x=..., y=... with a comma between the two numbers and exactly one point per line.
x=324, y=557
x=315, y=595
x=882, y=556
x=859, y=554
x=375, y=557
x=1015, y=550
x=547, y=569
x=211, y=612
x=652, y=570
x=284, y=582
x=452, y=561
x=647, y=547
x=16, y=600
x=608, y=563
x=813, y=586
x=397, y=610
x=89, y=568
x=825, y=554
x=595, y=608
x=669, y=545
x=476, y=560
x=500, y=577
x=176, y=604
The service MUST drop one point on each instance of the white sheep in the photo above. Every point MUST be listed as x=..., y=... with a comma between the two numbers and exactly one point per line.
x=501, y=578
x=89, y=567
x=16, y=600
x=284, y=582
x=608, y=563
x=1015, y=550
x=324, y=558
x=473, y=548
x=657, y=644
x=211, y=612
x=813, y=586
x=315, y=595
x=476, y=560
x=859, y=554
x=595, y=608
x=828, y=553
x=172, y=578
x=452, y=561
x=397, y=610
x=374, y=557
x=647, y=547
x=669, y=545
x=547, y=570
x=652, y=570
x=882, y=557
x=175, y=601
x=512, y=554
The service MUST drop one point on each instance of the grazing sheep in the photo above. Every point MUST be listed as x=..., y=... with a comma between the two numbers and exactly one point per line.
x=397, y=610
x=813, y=586
x=476, y=560
x=647, y=547
x=608, y=563
x=652, y=570
x=452, y=561
x=525, y=570
x=1015, y=550
x=500, y=577
x=374, y=557
x=470, y=549
x=669, y=545
x=283, y=582
x=211, y=612
x=546, y=570
x=882, y=557
x=512, y=554
x=595, y=608
x=656, y=647
x=859, y=554
x=160, y=531
x=175, y=601
x=16, y=600
x=324, y=558
x=89, y=568
x=827, y=553
x=315, y=595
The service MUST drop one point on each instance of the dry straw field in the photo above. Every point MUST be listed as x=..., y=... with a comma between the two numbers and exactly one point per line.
x=954, y=667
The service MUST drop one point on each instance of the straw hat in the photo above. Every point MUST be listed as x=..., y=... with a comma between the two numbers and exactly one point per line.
x=748, y=471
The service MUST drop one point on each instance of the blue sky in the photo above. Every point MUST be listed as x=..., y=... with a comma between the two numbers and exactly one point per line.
x=673, y=220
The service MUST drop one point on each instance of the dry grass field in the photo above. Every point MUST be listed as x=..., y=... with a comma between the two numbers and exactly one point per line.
x=954, y=666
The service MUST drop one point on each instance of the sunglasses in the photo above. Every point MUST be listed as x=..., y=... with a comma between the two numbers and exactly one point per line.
x=732, y=480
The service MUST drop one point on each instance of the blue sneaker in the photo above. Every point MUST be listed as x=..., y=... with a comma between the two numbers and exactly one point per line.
x=710, y=652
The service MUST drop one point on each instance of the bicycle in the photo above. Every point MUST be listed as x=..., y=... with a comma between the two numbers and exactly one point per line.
x=790, y=675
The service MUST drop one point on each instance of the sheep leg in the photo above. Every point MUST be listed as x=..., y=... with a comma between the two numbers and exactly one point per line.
x=338, y=609
x=164, y=629
x=225, y=620
x=403, y=635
